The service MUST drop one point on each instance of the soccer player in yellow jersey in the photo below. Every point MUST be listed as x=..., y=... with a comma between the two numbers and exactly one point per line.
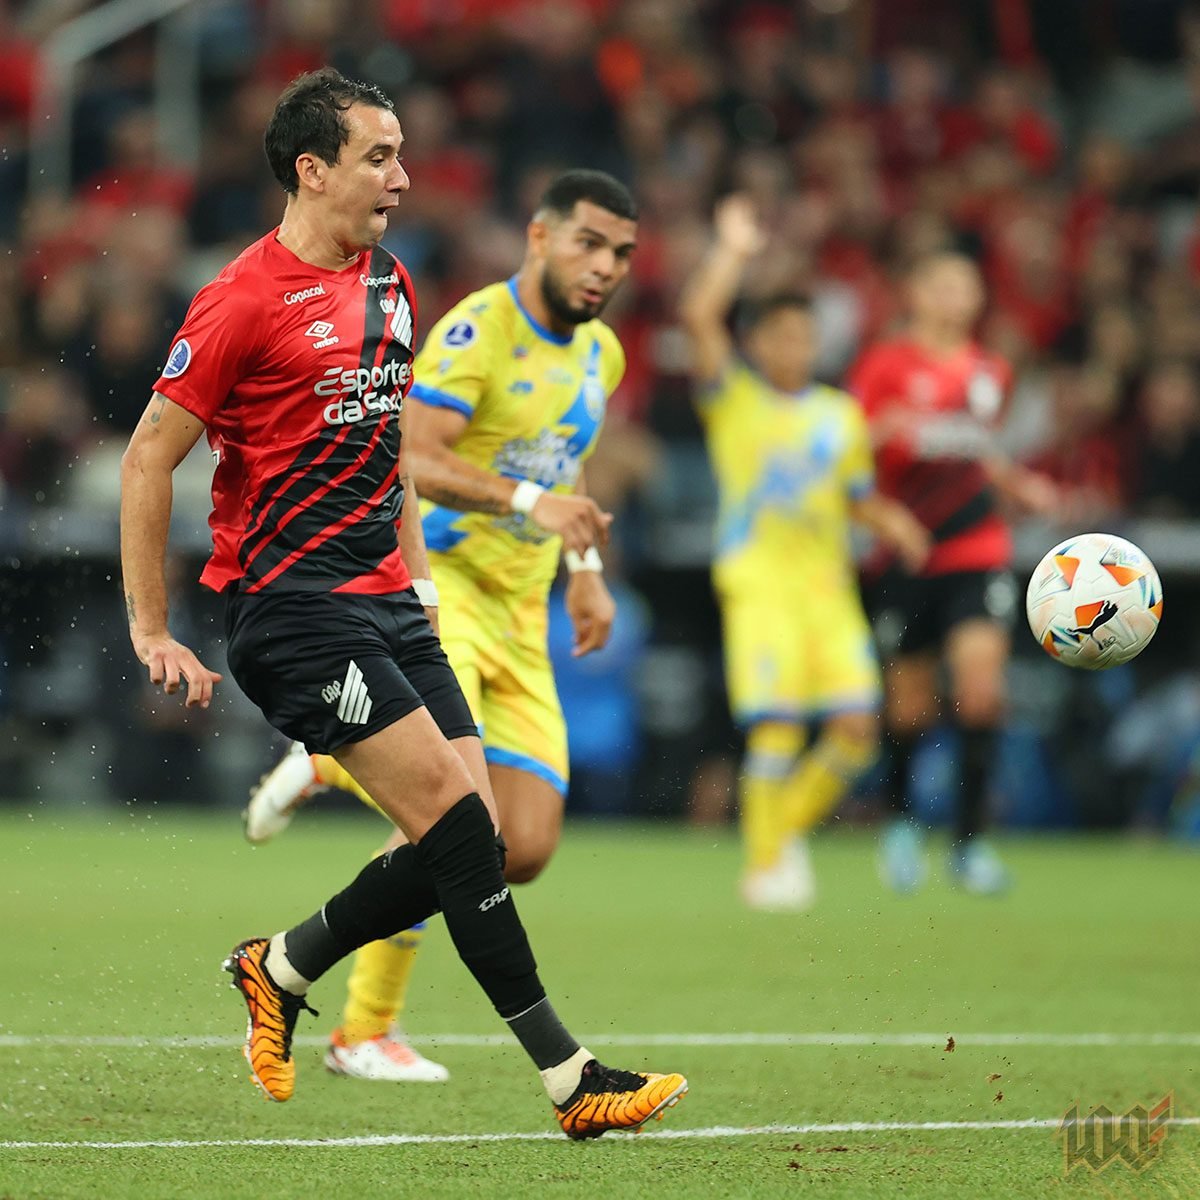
x=510, y=390
x=793, y=465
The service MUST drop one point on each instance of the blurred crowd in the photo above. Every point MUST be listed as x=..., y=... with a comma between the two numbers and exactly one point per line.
x=1057, y=141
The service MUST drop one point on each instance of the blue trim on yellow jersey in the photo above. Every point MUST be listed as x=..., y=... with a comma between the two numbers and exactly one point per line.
x=438, y=526
x=524, y=762
x=856, y=489
x=435, y=399
x=756, y=716
x=865, y=702
x=559, y=339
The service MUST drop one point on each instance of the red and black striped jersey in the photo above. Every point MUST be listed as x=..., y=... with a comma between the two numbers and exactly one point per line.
x=299, y=375
x=933, y=421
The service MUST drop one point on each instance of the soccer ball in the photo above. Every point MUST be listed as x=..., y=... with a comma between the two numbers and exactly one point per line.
x=1094, y=601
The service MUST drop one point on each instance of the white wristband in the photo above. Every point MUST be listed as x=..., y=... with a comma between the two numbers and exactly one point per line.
x=525, y=495
x=426, y=591
x=590, y=560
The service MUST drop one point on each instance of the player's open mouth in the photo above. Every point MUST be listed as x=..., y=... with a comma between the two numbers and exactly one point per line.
x=592, y=296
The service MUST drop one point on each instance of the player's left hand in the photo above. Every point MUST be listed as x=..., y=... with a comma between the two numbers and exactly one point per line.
x=168, y=662
x=592, y=611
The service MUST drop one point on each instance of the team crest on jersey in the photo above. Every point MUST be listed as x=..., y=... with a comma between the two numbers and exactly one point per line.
x=178, y=360
x=461, y=333
x=402, y=320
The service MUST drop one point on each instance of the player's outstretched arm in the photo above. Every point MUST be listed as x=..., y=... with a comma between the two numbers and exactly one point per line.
x=709, y=294
x=895, y=525
x=159, y=444
x=448, y=479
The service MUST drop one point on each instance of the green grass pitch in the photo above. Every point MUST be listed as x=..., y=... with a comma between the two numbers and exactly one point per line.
x=114, y=928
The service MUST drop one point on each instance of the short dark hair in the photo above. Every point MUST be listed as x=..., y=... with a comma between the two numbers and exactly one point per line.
x=309, y=119
x=757, y=311
x=596, y=187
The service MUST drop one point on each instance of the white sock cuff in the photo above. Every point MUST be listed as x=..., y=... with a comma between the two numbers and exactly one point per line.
x=281, y=970
x=562, y=1080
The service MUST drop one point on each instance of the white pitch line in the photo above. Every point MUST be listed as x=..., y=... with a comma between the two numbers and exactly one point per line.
x=442, y=1139
x=193, y=1042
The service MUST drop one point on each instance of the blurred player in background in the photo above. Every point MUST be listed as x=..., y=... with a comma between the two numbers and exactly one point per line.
x=793, y=464
x=298, y=359
x=934, y=399
x=512, y=386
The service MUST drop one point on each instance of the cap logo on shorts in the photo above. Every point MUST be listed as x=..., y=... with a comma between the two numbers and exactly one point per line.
x=355, y=701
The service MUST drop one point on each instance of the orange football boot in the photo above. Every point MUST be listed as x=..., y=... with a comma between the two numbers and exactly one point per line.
x=610, y=1099
x=273, y=1013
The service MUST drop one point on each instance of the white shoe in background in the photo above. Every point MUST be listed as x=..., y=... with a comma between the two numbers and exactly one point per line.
x=279, y=793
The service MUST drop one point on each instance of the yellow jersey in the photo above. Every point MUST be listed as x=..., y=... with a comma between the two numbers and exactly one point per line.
x=787, y=469
x=535, y=402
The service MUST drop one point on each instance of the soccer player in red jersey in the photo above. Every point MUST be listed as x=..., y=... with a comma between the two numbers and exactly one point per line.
x=933, y=398
x=297, y=359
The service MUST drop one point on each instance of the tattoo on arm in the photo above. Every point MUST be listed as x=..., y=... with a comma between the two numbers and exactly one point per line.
x=130, y=609
x=449, y=498
x=156, y=414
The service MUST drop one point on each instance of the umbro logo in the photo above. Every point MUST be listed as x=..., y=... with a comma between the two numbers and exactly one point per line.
x=355, y=706
x=322, y=332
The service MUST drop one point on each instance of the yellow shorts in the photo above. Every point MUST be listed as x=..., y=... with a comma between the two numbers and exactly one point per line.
x=496, y=643
x=798, y=660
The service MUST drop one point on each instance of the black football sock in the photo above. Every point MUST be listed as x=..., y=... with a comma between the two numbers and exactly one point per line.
x=391, y=893
x=900, y=748
x=460, y=852
x=977, y=753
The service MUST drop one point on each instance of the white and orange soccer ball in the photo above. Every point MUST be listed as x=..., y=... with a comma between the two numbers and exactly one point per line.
x=1094, y=601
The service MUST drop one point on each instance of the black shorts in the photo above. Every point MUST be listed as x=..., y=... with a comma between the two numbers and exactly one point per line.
x=913, y=614
x=331, y=668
